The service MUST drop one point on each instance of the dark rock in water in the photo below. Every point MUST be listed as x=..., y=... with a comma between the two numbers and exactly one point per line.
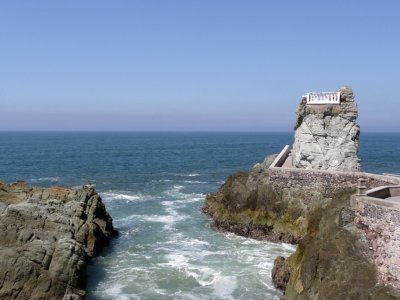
x=47, y=237
x=280, y=273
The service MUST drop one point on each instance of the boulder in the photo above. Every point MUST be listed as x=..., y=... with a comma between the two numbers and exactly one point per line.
x=280, y=273
x=47, y=236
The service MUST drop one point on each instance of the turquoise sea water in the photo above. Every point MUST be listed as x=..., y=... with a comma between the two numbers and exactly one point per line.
x=153, y=185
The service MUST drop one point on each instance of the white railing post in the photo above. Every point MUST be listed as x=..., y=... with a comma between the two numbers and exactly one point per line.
x=323, y=98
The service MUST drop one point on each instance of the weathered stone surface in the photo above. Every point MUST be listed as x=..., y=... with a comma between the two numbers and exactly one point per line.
x=333, y=260
x=249, y=206
x=382, y=229
x=326, y=136
x=280, y=273
x=309, y=204
x=275, y=204
x=311, y=208
x=46, y=239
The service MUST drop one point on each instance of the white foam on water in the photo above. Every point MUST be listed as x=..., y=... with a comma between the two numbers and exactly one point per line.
x=188, y=175
x=168, y=220
x=115, y=292
x=52, y=179
x=170, y=207
x=193, y=175
x=194, y=248
x=192, y=242
x=194, y=181
x=162, y=180
x=123, y=196
x=203, y=275
x=213, y=266
x=186, y=255
x=176, y=260
x=266, y=265
x=253, y=242
x=161, y=292
x=176, y=188
x=288, y=247
x=187, y=198
x=127, y=232
x=168, y=203
x=190, y=199
x=224, y=286
x=191, y=296
x=126, y=220
x=270, y=286
x=179, y=197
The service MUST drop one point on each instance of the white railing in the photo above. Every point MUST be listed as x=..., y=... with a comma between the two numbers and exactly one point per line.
x=282, y=156
x=323, y=98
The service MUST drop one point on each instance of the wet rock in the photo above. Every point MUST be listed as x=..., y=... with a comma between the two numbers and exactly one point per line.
x=280, y=273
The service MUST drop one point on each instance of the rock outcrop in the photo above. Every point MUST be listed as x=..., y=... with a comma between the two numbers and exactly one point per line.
x=249, y=205
x=326, y=135
x=307, y=202
x=312, y=209
x=47, y=236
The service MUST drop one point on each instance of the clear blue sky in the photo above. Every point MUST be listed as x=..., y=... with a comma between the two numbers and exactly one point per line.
x=193, y=65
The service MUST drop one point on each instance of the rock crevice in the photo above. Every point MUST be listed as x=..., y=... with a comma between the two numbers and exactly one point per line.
x=326, y=135
x=47, y=237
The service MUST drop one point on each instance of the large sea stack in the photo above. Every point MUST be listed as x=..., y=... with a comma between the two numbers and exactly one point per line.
x=47, y=236
x=326, y=135
x=303, y=196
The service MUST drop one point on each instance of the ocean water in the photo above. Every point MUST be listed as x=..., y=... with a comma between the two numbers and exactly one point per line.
x=153, y=185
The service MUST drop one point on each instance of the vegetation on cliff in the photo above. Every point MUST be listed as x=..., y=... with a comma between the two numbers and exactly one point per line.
x=248, y=206
x=332, y=260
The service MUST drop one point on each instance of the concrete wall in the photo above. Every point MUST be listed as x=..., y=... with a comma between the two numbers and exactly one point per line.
x=380, y=222
x=307, y=177
x=378, y=218
x=382, y=228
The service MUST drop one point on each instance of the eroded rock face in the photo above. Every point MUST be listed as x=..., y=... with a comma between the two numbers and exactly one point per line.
x=326, y=135
x=280, y=273
x=382, y=229
x=310, y=208
x=46, y=238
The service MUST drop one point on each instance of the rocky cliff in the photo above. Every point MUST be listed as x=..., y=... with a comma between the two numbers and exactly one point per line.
x=47, y=237
x=307, y=202
x=326, y=135
x=333, y=259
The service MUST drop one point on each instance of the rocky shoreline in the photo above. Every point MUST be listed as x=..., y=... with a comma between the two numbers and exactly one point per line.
x=333, y=259
x=303, y=196
x=47, y=238
x=239, y=207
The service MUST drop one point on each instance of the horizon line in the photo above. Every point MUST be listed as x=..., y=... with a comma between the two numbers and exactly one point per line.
x=164, y=131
